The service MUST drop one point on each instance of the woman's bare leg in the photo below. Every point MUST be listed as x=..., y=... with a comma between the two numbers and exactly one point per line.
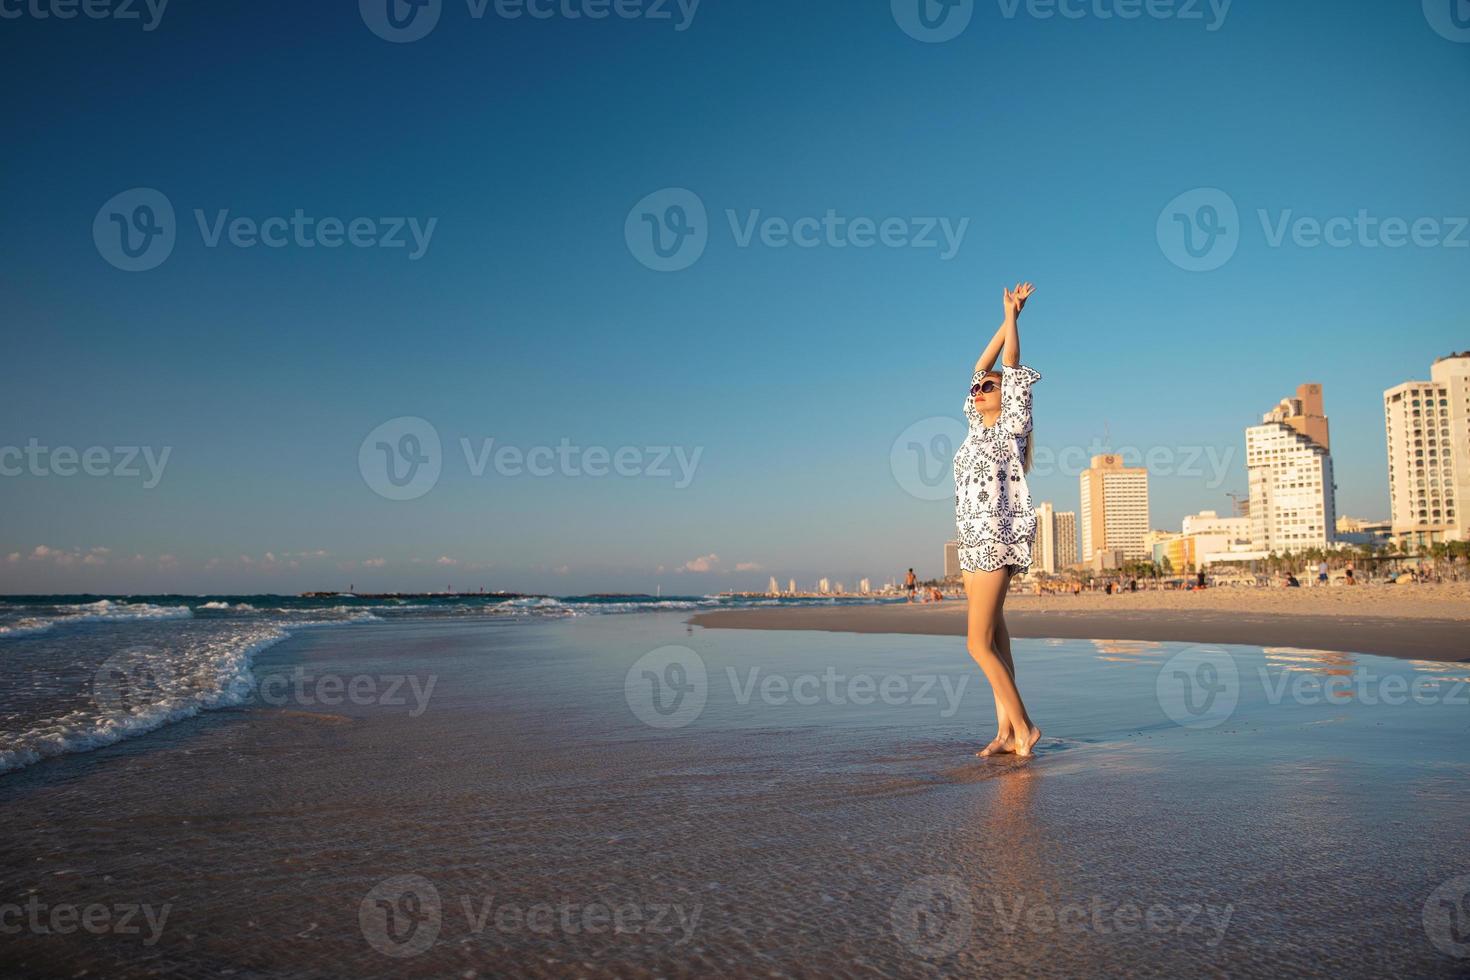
x=1002, y=743
x=985, y=592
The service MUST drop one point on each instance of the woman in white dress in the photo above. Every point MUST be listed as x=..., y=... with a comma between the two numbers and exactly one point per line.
x=996, y=518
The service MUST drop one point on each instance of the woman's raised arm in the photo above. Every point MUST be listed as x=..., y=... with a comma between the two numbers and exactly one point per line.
x=1015, y=301
x=1006, y=335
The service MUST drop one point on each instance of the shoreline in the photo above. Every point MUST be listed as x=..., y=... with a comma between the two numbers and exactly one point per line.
x=1401, y=625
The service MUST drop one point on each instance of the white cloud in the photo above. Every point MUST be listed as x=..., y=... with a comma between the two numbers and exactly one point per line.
x=375, y=562
x=704, y=563
x=446, y=560
x=748, y=566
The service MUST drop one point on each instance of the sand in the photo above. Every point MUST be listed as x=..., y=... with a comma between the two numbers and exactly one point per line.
x=1417, y=622
x=769, y=823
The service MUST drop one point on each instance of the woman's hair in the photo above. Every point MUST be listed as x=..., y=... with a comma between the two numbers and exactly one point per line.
x=1030, y=441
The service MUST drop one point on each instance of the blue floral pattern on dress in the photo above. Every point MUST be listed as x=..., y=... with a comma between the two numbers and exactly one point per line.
x=993, y=510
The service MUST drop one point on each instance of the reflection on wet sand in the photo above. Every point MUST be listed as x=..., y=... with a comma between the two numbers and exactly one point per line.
x=1128, y=651
x=1329, y=662
x=1424, y=677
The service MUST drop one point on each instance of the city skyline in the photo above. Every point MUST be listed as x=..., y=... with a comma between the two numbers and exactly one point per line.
x=696, y=574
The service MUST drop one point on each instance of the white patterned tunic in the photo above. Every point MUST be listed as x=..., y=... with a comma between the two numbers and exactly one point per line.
x=993, y=509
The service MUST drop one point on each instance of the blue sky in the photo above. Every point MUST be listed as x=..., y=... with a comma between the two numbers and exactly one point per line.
x=786, y=374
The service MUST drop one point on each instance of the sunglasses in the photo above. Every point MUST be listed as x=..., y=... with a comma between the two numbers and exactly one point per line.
x=986, y=386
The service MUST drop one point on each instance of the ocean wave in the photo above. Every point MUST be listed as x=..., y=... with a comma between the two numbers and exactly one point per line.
x=107, y=611
x=226, y=607
x=28, y=626
x=633, y=606
x=143, y=689
x=101, y=611
x=325, y=616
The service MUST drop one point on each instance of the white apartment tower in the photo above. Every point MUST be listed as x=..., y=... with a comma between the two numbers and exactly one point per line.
x=1288, y=464
x=1428, y=429
x=1044, y=551
x=1056, y=539
x=1066, y=539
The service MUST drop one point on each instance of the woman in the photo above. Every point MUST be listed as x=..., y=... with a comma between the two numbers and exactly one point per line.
x=996, y=520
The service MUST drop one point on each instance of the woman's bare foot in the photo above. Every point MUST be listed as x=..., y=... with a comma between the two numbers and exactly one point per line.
x=1000, y=745
x=1024, y=744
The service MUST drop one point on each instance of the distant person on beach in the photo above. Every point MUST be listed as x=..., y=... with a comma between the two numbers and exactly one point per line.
x=1201, y=580
x=911, y=584
x=995, y=516
x=1322, y=572
x=1350, y=574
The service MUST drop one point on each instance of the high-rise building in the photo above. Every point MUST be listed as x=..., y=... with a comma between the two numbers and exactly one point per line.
x=824, y=587
x=1055, y=547
x=1066, y=550
x=951, y=559
x=772, y=588
x=865, y=586
x=1114, y=507
x=1428, y=427
x=1289, y=468
x=791, y=586
x=1044, y=546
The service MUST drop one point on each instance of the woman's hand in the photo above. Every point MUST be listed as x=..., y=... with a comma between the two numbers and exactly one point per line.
x=1015, y=299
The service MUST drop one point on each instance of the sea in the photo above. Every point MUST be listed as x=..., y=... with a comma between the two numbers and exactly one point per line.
x=78, y=672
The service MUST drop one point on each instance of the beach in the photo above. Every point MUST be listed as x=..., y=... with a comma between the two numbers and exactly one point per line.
x=546, y=790
x=1429, y=621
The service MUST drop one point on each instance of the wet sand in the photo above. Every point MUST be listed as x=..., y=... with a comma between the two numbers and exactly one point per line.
x=537, y=816
x=1391, y=622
